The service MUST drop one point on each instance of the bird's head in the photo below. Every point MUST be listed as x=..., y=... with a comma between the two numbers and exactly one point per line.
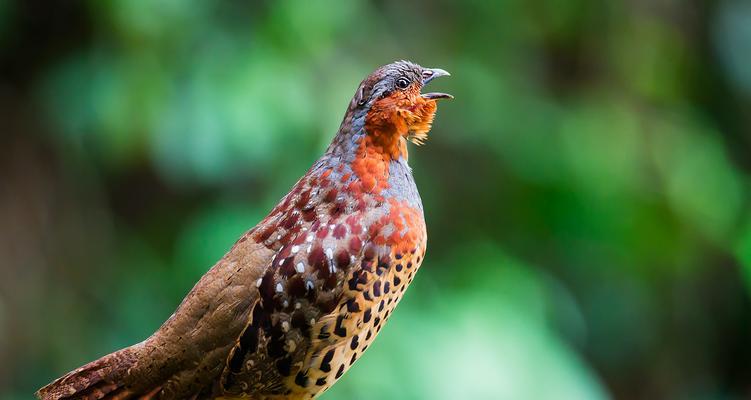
x=393, y=105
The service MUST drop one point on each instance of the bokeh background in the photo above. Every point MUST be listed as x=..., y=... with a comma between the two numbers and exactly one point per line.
x=586, y=193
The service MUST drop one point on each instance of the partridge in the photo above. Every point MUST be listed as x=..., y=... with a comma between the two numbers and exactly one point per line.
x=299, y=297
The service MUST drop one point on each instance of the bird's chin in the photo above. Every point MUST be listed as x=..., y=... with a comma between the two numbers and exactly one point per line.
x=420, y=122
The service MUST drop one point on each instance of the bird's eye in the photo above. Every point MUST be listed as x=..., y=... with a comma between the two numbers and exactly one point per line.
x=402, y=83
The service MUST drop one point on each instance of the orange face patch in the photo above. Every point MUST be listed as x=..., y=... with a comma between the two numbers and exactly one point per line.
x=401, y=114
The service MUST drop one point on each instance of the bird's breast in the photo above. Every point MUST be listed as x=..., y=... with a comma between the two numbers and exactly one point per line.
x=346, y=242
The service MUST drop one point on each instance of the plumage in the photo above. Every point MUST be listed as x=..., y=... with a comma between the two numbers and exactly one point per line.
x=299, y=297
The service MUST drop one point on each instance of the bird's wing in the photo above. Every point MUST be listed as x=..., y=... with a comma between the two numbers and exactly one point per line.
x=188, y=353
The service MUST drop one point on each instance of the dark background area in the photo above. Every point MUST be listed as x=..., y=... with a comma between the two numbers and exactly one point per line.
x=586, y=193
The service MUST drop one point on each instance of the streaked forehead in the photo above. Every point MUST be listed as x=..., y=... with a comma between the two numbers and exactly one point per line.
x=399, y=68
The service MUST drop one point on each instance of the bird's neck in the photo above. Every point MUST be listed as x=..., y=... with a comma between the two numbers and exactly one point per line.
x=368, y=161
x=371, y=135
x=354, y=175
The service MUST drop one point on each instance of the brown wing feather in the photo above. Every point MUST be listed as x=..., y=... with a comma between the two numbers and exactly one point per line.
x=187, y=354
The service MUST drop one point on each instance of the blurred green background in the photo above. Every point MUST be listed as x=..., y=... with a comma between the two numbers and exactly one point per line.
x=586, y=193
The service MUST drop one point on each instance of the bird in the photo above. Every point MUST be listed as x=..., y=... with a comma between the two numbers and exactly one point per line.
x=299, y=297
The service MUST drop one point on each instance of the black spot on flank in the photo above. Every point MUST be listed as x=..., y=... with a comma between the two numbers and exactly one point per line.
x=399, y=267
x=355, y=342
x=409, y=264
x=386, y=287
x=352, y=360
x=397, y=281
x=368, y=336
x=398, y=256
x=320, y=381
x=366, y=295
x=380, y=306
x=377, y=321
x=326, y=362
x=323, y=334
x=380, y=270
x=339, y=330
x=377, y=289
x=383, y=261
x=366, y=316
x=353, y=305
x=284, y=365
x=356, y=278
x=301, y=379
x=340, y=371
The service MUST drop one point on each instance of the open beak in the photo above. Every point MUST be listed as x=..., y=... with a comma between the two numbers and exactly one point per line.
x=428, y=74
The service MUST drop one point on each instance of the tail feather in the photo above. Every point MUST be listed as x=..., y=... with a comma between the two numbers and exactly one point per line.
x=102, y=379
